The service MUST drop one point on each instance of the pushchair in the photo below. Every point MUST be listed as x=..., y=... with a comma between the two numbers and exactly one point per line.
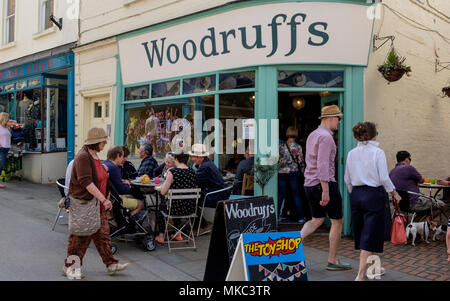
x=132, y=228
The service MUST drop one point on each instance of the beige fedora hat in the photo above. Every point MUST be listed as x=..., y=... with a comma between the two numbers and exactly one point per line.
x=95, y=135
x=199, y=150
x=331, y=111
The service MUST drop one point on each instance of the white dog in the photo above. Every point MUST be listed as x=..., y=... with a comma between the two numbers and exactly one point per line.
x=439, y=230
x=421, y=228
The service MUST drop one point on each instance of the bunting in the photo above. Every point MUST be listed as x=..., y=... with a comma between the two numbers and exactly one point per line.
x=273, y=275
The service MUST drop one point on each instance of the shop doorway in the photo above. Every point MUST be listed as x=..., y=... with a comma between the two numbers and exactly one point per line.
x=302, y=111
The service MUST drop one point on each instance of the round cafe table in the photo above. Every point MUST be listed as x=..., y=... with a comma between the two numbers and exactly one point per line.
x=151, y=188
x=432, y=187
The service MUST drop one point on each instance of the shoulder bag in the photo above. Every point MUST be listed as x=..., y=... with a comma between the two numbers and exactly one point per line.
x=84, y=217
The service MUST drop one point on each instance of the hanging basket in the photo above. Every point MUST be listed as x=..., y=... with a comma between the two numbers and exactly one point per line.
x=446, y=91
x=393, y=75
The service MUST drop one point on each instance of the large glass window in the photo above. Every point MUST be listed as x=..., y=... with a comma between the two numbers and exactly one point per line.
x=237, y=80
x=199, y=84
x=165, y=89
x=310, y=79
x=9, y=21
x=7, y=104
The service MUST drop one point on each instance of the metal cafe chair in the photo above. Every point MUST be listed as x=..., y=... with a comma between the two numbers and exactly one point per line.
x=169, y=217
x=208, y=213
x=61, y=186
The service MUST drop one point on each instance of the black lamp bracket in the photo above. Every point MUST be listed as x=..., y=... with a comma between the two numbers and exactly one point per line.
x=387, y=38
x=58, y=23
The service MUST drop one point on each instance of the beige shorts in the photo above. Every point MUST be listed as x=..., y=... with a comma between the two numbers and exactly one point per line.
x=129, y=203
x=425, y=204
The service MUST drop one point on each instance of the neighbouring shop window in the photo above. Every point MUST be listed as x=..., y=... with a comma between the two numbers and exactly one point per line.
x=28, y=113
x=310, y=79
x=165, y=89
x=199, y=84
x=34, y=82
x=237, y=80
x=6, y=104
x=137, y=93
x=9, y=87
x=46, y=11
x=9, y=21
x=237, y=108
x=21, y=85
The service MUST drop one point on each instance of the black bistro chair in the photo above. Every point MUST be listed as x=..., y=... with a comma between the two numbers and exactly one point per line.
x=61, y=184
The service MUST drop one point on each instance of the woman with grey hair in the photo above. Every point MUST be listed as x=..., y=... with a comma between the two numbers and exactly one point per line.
x=169, y=162
x=148, y=163
x=5, y=140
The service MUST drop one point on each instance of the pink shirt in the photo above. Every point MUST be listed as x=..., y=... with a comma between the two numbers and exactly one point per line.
x=320, y=157
x=5, y=137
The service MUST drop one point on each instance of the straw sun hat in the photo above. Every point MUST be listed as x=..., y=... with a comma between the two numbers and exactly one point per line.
x=331, y=111
x=199, y=150
x=95, y=135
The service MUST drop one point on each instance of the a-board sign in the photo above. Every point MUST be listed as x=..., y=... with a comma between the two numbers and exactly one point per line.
x=232, y=218
x=269, y=257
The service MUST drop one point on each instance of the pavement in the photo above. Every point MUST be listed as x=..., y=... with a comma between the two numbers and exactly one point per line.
x=31, y=251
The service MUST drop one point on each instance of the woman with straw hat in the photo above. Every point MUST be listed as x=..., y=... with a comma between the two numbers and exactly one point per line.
x=88, y=183
x=5, y=140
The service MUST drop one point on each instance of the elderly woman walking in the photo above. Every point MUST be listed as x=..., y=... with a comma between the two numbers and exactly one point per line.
x=5, y=140
x=368, y=182
x=88, y=186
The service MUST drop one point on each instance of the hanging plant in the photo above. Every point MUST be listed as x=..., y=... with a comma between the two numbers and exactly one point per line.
x=394, y=68
x=263, y=173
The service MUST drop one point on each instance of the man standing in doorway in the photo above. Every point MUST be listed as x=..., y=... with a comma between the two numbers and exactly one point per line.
x=321, y=188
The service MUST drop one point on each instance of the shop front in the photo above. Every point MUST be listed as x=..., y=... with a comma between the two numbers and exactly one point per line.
x=39, y=97
x=240, y=75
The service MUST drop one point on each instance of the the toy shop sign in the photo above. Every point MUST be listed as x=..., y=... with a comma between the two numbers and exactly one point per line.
x=279, y=33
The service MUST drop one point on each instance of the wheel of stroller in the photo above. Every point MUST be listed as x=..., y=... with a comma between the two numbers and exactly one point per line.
x=113, y=249
x=149, y=244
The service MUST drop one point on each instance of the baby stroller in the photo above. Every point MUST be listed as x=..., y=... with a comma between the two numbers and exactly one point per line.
x=130, y=227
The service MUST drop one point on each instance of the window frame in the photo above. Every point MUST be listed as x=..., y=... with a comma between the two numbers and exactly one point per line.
x=6, y=22
x=42, y=10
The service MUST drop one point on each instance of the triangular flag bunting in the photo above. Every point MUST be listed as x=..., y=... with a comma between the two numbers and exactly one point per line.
x=284, y=266
x=275, y=272
x=304, y=271
x=298, y=274
x=266, y=272
x=291, y=268
x=297, y=267
x=270, y=277
x=260, y=268
x=291, y=278
x=279, y=267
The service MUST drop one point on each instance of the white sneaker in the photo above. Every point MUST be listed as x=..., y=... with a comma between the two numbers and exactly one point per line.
x=117, y=267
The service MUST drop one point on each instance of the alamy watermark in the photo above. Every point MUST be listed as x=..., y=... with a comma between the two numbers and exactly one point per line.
x=374, y=270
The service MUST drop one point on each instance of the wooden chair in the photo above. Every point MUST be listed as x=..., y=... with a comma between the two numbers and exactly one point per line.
x=247, y=183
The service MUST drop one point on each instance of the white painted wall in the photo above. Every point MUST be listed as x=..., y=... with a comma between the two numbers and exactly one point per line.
x=44, y=168
x=28, y=39
x=409, y=113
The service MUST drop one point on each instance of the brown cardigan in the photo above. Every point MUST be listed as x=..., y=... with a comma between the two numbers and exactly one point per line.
x=83, y=174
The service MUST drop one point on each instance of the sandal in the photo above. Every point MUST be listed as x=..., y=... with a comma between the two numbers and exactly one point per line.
x=176, y=237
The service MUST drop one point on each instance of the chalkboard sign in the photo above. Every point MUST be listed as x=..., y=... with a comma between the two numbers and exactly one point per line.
x=232, y=218
x=269, y=257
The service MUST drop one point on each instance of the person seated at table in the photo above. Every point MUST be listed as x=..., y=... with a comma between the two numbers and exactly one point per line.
x=244, y=167
x=234, y=161
x=406, y=177
x=131, y=198
x=169, y=162
x=148, y=163
x=178, y=177
x=128, y=170
x=209, y=179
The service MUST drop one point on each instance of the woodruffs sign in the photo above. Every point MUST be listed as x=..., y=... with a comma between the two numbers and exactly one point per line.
x=335, y=33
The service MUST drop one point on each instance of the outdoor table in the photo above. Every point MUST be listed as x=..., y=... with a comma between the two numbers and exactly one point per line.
x=437, y=187
x=151, y=188
x=229, y=177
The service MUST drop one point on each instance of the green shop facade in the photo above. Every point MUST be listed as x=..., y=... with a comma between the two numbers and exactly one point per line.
x=251, y=60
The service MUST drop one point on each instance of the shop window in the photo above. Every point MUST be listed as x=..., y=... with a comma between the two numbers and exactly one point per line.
x=137, y=93
x=34, y=82
x=9, y=21
x=46, y=10
x=6, y=102
x=239, y=80
x=9, y=87
x=310, y=79
x=236, y=109
x=55, y=119
x=21, y=85
x=171, y=88
x=199, y=84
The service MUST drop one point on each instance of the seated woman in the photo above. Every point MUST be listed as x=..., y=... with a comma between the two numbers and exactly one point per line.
x=179, y=177
x=162, y=170
x=131, y=198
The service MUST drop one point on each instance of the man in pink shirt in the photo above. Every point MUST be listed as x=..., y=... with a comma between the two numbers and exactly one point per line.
x=321, y=188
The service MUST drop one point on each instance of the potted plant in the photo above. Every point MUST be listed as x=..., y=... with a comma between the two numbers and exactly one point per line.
x=264, y=172
x=394, y=67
